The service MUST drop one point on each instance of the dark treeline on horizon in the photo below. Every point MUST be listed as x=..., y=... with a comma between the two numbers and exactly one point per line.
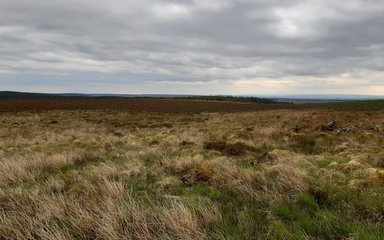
x=26, y=95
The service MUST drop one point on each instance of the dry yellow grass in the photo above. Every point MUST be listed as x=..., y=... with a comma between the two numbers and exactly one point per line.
x=135, y=175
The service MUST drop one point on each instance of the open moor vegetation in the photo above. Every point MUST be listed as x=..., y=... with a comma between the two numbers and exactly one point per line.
x=125, y=174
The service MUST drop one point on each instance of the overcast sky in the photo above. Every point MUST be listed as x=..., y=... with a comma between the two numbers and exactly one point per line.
x=193, y=46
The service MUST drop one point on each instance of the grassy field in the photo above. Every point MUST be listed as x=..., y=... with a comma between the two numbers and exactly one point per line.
x=376, y=104
x=203, y=172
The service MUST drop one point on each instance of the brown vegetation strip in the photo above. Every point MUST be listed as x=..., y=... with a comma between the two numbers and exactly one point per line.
x=148, y=105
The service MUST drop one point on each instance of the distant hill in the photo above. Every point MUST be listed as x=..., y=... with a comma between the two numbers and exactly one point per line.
x=28, y=95
x=20, y=95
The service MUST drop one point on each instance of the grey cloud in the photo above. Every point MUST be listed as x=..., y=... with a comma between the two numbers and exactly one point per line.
x=143, y=42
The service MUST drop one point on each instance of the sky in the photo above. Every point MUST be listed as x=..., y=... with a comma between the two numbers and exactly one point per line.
x=193, y=46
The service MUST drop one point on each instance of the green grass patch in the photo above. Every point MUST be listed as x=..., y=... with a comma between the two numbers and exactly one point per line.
x=203, y=190
x=286, y=211
x=308, y=201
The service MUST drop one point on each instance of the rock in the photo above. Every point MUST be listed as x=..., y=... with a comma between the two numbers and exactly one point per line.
x=329, y=126
x=343, y=130
x=332, y=125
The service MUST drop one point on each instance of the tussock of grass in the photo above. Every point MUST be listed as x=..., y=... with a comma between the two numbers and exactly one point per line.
x=230, y=149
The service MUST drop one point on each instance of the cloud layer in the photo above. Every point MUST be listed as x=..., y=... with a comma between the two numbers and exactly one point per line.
x=193, y=46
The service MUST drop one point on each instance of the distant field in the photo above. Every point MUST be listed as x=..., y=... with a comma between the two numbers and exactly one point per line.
x=141, y=104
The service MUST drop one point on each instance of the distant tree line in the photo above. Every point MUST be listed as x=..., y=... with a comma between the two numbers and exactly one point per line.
x=228, y=98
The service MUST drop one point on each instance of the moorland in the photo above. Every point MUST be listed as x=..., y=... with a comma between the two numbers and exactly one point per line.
x=190, y=169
